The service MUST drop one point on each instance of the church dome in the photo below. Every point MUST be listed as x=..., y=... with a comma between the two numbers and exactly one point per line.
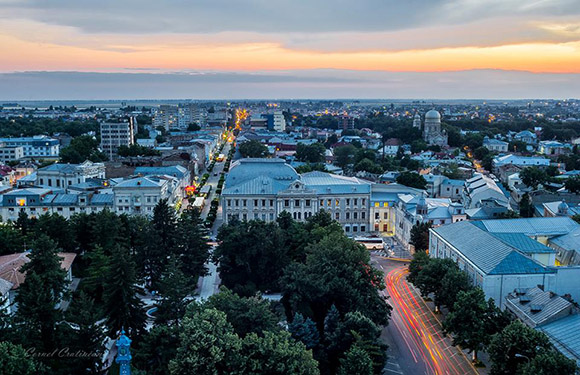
x=433, y=115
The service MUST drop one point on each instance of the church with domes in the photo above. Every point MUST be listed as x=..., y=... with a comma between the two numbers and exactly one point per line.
x=432, y=133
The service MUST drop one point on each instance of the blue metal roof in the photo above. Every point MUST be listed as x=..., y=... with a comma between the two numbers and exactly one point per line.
x=102, y=199
x=535, y=226
x=326, y=183
x=383, y=197
x=261, y=185
x=565, y=335
x=174, y=170
x=491, y=255
x=524, y=243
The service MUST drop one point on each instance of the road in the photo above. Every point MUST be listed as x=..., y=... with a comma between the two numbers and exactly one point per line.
x=416, y=343
x=209, y=284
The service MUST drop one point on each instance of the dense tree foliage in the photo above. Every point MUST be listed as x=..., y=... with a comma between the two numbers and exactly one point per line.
x=420, y=236
x=137, y=150
x=533, y=176
x=81, y=149
x=253, y=149
x=313, y=153
x=30, y=126
x=412, y=179
x=14, y=360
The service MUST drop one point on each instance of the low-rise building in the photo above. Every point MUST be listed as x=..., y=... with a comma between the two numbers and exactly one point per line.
x=38, y=147
x=384, y=198
x=483, y=198
x=263, y=188
x=520, y=161
x=554, y=148
x=64, y=175
x=139, y=195
x=495, y=144
x=10, y=153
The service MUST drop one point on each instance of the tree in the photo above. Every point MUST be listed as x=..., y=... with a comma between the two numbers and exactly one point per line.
x=420, y=260
x=453, y=282
x=572, y=184
x=57, y=228
x=481, y=152
x=84, y=147
x=208, y=346
x=192, y=248
x=418, y=145
x=526, y=207
x=122, y=306
x=305, y=168
x=251, y=256
x=369, y=166
x=193, y=127
x=533, y=176
x=412, y=179
x=336, y=272
x=467, y=323
x=253, y=149
x=345, y=156
x=304, y=330
x=86, y=336
x=38, y=296
x=313, y=153
x=156, y=349
x=173, y=288
x=11, y=239
x=549, y=362
x=356, y=362
x=431, y=277
x=277, y=354
x=420, y=236
x=137, y=150
x=245, y=314
x=515, y=339
x=14, y=360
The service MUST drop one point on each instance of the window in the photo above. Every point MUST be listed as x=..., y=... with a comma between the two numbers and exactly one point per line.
x=347, y=229
x=245, y=217
x=229, y=202
x=385, y=204
x=355, y=228
x=244, y=202
x=297, y=203
x=299, y=215
x=263, y=203
x=328, y=202
x=271, y=203
x=271, y=216
x=286, y=203
x=377, y=215
x=347, y=201
x=307, y=203
x=363, y=228
x=337, y=203
x=255, y=203
x=363, y=215
x=364, y=201
x=355, y=215
x=377, y=205
x=355, y=201
x=337, y=216
x=321, y=203
x=386, y=215
x=347, y=215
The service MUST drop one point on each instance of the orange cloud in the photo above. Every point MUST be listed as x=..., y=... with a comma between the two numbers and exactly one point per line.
x=19, y=55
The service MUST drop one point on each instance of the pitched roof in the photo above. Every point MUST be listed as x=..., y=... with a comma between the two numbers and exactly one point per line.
x=524, y=243
x=535, y=226
x=537, y=307
x=10, y=266
x=327, y=183
x=565, y=336
x=257, y=186
x=488, y=253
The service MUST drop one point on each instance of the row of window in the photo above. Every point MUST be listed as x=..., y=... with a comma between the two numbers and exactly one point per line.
x=347, y=201
x=355, y=228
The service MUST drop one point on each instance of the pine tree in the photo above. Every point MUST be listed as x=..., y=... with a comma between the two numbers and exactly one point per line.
x=123, y=308
x=173, y=288
x=356, y=362
x=192, y=247
x=304, y=330
x=38, y=296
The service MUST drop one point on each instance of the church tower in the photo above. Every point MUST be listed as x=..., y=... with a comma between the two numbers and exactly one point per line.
x=417, y=121
x=124, y=354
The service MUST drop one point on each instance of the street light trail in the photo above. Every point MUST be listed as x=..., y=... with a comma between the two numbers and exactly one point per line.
x=414, y=320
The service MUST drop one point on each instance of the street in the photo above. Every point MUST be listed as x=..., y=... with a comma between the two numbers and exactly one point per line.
x=416, y=343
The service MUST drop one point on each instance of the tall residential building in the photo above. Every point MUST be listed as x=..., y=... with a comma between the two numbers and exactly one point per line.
x=116, y=134
x=279, y=121
x=39, y=146
x=189, y=113
x=166, y=117
x=346, y=122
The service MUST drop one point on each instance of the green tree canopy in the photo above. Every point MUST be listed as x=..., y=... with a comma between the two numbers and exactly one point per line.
x=82, y=148
x=313, y=153
x=253, y=149
x=533, y=176
x=14, y=360
x=420, y=236
x=356, y=361
x=412, y=179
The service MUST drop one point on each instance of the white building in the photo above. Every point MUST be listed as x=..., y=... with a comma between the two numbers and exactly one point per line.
x=166, y=117
x=139, y=195
x=495, y=144
x=12, y=153
x=263, y=188
x=116, y=134
x=279, y=121
x=519, y=161
x=39, y=146
x=64, y=175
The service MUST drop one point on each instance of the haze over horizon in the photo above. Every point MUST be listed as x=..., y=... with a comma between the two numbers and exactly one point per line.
x=439, y=49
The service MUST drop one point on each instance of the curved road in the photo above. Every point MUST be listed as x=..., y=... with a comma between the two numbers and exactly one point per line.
x=417, y=344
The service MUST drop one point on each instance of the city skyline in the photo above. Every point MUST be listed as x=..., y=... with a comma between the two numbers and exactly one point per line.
x=380, y=47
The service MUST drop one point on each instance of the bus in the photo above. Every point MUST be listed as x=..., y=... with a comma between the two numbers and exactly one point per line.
x=371, y=243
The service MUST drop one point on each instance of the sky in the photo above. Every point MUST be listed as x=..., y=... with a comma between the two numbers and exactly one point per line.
x=128, y=49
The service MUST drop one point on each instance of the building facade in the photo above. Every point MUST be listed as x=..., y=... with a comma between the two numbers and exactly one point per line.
x=38, y=147
x=432, y=133
x=261, y=189
x=116, y=134
x=65, y=175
